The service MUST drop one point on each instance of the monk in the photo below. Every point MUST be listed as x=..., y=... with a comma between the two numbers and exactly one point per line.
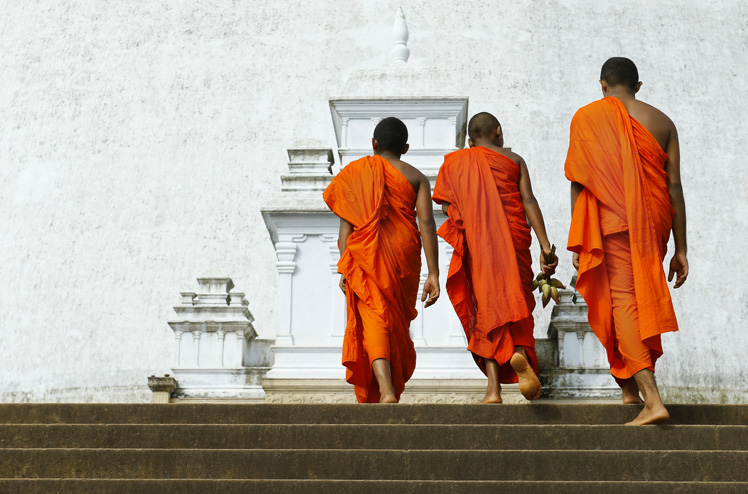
x=626, y=196
x=376, y=198
x=486, y=193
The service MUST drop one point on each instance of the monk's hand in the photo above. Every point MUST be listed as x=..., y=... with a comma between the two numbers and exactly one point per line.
x=430, y=290
x=545, y=267
x=575, y=260
x=342, y=283
x=679, y=267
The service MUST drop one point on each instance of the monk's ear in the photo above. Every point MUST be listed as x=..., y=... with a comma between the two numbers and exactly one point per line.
x=374, y=144
x=604, y=86
x=470, y=142
x=405, y=149
x=638, y=87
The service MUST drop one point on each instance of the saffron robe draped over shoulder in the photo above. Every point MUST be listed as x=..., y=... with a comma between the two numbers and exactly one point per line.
x=490, y=274
x=382, y=266
x=621, y=166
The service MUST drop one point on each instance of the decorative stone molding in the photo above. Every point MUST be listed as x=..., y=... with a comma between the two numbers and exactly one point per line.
x=162, y=388
x=309, y=170
x=400, y=52
x=436, y=126
x=581, y=364
x=214, y=363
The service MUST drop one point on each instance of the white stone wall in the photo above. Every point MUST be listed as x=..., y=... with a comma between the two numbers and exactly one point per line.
x=139, y=140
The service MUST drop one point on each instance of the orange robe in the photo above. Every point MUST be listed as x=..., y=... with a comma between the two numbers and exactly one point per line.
x=382, y=266
x=620, y=228
x=490, y=274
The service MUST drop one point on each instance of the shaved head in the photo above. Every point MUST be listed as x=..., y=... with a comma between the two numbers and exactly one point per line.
x=620, y=71
x=391, y=135
x=483, y=125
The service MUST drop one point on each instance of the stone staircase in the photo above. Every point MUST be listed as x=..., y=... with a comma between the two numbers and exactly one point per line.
x=544, y=447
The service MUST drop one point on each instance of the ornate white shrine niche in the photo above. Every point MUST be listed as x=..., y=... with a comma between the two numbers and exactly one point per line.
x=436, y=126
x=214, y=356
x=311, y=306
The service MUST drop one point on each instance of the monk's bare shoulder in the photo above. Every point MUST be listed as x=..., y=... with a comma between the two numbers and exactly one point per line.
x=515, y=157
x=509, y=154
x=653, y=119
x=413, y=175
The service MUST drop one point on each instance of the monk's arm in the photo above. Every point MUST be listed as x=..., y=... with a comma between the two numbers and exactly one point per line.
x=445, y=209
x=427, y=225
x=576, y=189
x=679, y=262
x=345, y=231
x=535, y=216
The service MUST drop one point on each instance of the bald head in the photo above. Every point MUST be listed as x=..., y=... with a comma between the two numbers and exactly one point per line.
x=391, y=135
x=483, y=125
x=620, y=71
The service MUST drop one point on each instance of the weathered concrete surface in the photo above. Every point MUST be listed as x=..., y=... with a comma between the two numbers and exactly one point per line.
x=543, y=413
x=374, y=436
x=139, y=142
x=182, y=486
x=700, y=466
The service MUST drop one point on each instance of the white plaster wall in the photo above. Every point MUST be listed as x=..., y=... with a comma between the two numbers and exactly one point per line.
x=138, y=141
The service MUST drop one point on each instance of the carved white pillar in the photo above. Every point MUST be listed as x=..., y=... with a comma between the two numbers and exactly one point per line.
x=240, y=348
x=221, y=340
x=337, y=298
x=580, y=340
x=286, y=265
x=420, y=138
x=456, y=332
x=560, y=347
x=344, y=132
x=196, y=345
x=178, y=336
x=400, y=51
x=452, y=125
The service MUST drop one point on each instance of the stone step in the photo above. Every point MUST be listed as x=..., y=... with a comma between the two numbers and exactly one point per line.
x=374, y=436
x=193, y=413
x=184, y=486
x=618, y=466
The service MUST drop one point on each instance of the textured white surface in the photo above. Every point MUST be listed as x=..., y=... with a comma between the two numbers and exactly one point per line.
x=138, y=142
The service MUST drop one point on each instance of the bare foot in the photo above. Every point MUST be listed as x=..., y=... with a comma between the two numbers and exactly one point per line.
x=630, y=392
x=387, y=398
x=647, y=416
x=529, y=385
x=492, y=397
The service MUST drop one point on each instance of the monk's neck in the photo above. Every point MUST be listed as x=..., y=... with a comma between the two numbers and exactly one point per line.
x=486, y=143
x=622, y=94
x=389, y=156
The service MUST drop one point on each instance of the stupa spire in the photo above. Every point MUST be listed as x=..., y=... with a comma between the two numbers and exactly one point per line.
x=400, y=52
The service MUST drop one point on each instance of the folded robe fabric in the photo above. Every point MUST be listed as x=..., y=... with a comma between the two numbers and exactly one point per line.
x=621, y=166
x=490, y=274
x=382, y=265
